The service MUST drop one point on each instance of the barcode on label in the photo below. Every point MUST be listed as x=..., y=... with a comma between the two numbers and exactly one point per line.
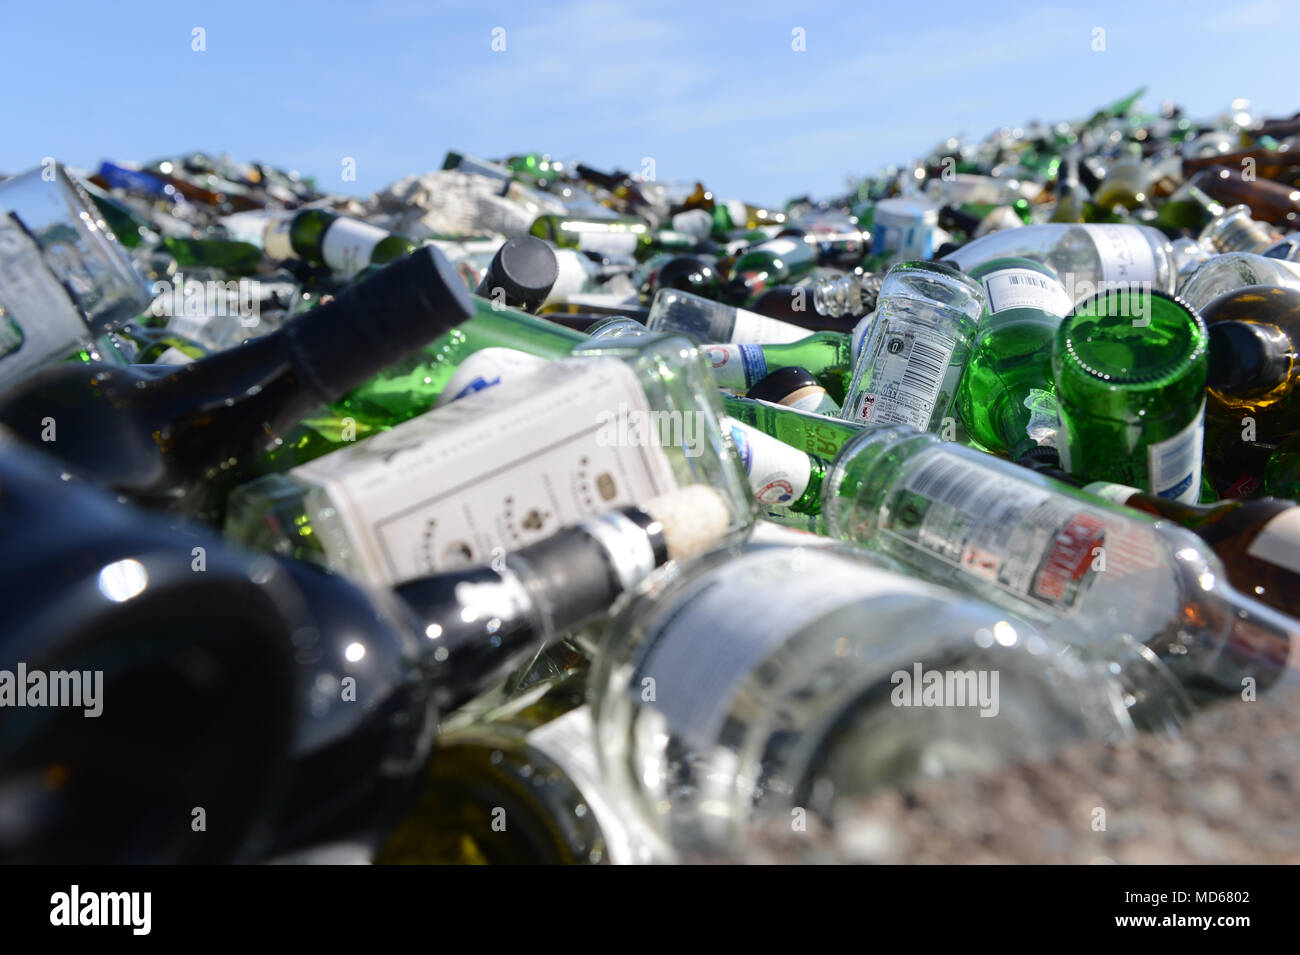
x=955, y=482
x=1028, y=280
x=924, y=371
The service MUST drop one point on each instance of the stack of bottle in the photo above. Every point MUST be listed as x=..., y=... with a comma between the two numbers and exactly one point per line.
x=620, y=521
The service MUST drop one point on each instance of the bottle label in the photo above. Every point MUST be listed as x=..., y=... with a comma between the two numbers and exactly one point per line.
x=738, y=212
x=907, y=374
x=737, y=367
x=1115, y=493
x=747, y=610
x=607, y=242
x=860, y=333
x=812, y=398
x=348, y=243
x=1278, y=542
x=485, y=368
x=1025, y=288
x=694, y=222
x=1174, y=465
x=498, y=469
x=276, y=239
x=778, y=473
x=1028, y=541
x=751, y=328
x=1126, y=257
x=782, y=246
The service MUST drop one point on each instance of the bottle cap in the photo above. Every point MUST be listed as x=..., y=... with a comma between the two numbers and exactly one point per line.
x=525, y=268
x=781, y=384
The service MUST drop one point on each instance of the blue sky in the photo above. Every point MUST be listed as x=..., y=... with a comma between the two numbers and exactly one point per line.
x=709, y=91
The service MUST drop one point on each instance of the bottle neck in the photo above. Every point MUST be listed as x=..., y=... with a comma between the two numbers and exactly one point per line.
x=485, y=622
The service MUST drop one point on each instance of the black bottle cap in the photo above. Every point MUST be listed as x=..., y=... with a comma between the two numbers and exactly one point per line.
x=780, y=384
x=1244, y=357
x=525, y=268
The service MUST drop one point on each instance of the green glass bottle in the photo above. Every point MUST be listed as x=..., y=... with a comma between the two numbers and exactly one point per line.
x=1130, y=370
x=811, y=433
x=618, y=235
x=411, y=386
x=778, y=261
x=827, y=355
x=129, y=228
x=233, y=257
x=344, y=245
x=1005, y=398
x=1282, y=472
x=779, y=475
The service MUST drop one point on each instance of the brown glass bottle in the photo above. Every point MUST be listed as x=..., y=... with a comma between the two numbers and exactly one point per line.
x=1253, y=379
x=1280, y=166
x=1257, y=540
x=1272, y=202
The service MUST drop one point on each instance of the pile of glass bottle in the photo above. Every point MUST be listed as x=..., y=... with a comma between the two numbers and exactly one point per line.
x=1014, y=425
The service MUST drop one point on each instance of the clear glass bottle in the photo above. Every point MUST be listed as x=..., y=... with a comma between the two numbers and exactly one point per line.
x=774, y=682
x=1234, y=270
x=909, y=367
x=632, y=421
x=677, y=312
x=1072, y=564
x=1086, y=258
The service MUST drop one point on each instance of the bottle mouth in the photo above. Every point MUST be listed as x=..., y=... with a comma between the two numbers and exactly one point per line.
x=1131, y=337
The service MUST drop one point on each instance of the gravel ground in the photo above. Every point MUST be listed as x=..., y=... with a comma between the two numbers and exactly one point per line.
x=1227, y=791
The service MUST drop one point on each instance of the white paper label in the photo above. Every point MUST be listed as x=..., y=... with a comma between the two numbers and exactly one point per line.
x=783, y=245
x=348, y=243
x=620, y=242
x=1025, y=288
x=694, y=222
x=751, y=328
x=1021, y=538
x=907, y=374
x=729, y=619
x=1174, y=465
x=1115, y=493
x=778, y=473
x=485, y=368
x=501, y=468
x=737, y=367
x=1279, y=541
x=1125, y=255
